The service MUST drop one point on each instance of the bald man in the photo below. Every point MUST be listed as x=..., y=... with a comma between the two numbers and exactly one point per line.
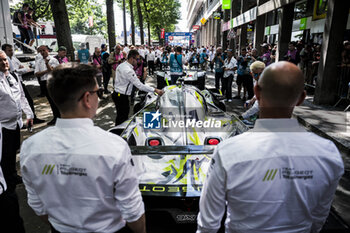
x=277, y=177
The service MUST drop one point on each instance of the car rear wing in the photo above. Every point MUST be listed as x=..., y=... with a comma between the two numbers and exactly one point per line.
x=171, y=150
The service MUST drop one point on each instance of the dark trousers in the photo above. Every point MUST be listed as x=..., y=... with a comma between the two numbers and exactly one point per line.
x=218, y=78
x=227, y=86
x=55, y=111
x=9, y=207
x=106, y=78
x=248, y=84
x=24, y=35
x=10, y=220
x=174, y=78
x=122, y=105
x=29, y=98
x=42, y=87
x=151, y=67
x=10, y=145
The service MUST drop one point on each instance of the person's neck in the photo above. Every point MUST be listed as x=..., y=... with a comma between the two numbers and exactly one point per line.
x=275, y=113
x=74, y=115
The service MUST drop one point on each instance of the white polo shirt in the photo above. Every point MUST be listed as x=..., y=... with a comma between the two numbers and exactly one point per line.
x=40, y=66
x=230, y=65
x=274, y=178
x=125, y=79
x=81, y=176
x=12, y=102
x=151, y=56
x=14, y=67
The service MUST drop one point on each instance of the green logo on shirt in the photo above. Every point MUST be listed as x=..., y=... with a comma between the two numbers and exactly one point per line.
x=270, y=174
x=48, y=169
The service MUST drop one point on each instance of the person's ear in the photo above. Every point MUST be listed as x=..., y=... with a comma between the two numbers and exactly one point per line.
x=301, y=98
x=86, y=100
x=257, y=91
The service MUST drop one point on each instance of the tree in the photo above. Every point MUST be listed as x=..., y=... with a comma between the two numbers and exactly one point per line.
x=78, y=13
x=140, y=17
x=132, y=22
x=111, y=24
x=63, y=33
x=148, y=21
x=158, y=14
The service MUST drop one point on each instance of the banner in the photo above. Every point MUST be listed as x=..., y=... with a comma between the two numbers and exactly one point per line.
x=162, y=33
x=196, y=27
x=226, y=4
x=303, y=23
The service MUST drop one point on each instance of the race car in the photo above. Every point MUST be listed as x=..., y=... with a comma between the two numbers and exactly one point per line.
x=172, y=139
x=191, y=76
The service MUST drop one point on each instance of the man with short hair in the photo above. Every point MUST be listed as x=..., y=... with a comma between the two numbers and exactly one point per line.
x=62, y=55
x=83, y=54
x=43, y=68
x=176, y=63
x=12, y=103
x=17, y=69
x=218, y=61
x=106, y=67
x=277, y=177
x=79, y=177
x=125, y=79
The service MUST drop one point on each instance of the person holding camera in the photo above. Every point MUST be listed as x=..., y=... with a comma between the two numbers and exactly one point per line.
x=244, y=78
x=292, y=55
x=218, y=62
x=230, y=65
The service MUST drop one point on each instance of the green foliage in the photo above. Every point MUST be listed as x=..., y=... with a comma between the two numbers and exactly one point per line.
x=78, y=13
x=160, y=13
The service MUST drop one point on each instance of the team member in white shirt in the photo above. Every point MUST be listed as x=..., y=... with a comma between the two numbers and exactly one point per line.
x=151, y=56
x=12, y=103
x=230, y=66
x=42, y=69
x=277, y=177
x=17, y=69
x=79, y=177
x=126, y=50
x=125, y=79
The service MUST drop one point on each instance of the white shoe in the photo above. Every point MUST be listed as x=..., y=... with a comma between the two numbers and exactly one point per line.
x=230, y=100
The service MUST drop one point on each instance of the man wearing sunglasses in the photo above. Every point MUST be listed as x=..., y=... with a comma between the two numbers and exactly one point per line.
x=79, y=177
x=125, y=79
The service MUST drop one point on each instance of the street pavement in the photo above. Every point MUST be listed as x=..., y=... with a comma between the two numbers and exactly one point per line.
x=326, y=121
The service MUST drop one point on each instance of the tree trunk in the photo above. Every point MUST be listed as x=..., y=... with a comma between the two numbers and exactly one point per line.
x=132, y=22
x=124, y=25
x=63, y=33
x=139, y=12
x=111, y=24
x=148, y=23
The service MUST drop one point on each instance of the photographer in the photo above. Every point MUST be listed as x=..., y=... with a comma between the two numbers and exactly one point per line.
x=218, y=62
x=244, y=78
x=292, y=54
